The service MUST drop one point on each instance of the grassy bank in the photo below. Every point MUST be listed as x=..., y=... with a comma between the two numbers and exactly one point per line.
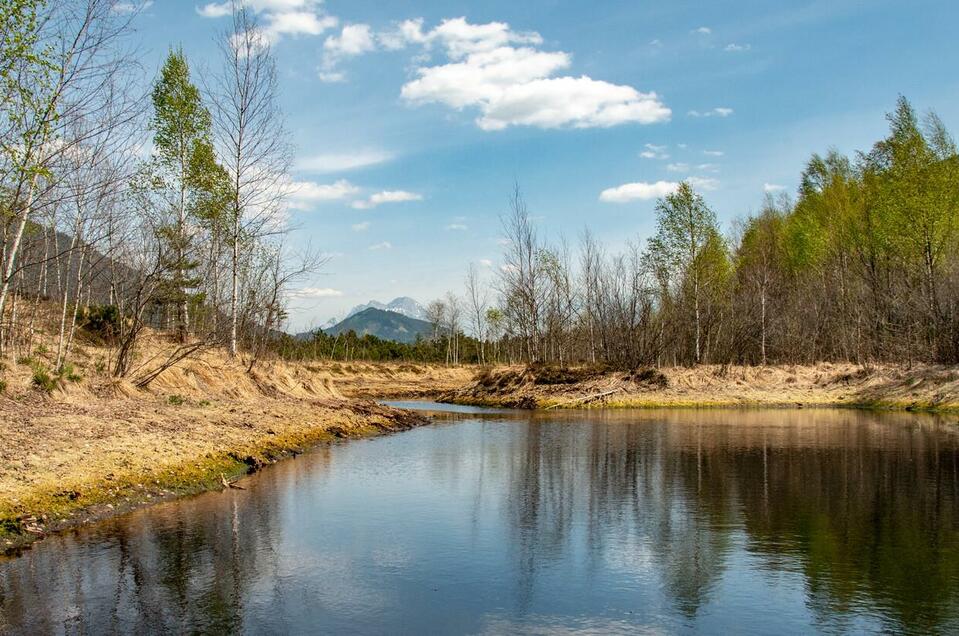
x=913, y=388
x=92, y=447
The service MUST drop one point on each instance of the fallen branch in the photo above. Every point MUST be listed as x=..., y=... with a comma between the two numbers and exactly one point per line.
x=584, y=400
x=229, y=484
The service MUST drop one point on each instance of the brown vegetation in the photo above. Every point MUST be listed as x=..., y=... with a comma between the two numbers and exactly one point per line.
x=923, y=387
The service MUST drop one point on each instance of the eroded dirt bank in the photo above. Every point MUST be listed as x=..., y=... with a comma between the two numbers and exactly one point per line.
x=95, y=447
x=931, y=388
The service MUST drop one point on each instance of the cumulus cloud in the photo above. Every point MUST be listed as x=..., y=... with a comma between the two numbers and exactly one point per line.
x=343, y=162
x=385, y=245
x=315, y=292
x=279, y=17
x=715, y=112
x=361, y=227
x=773, y=187
x=386, y=196
x=637, y=191
x=304, y=195
x=501, y=73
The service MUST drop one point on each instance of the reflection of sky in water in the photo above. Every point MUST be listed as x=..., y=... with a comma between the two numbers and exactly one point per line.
x=583, y=523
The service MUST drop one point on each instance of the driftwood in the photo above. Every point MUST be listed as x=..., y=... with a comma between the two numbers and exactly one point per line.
x=584, y=400
x=229, y=484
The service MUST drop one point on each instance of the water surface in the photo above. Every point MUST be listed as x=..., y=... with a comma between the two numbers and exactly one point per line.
x=512, y=522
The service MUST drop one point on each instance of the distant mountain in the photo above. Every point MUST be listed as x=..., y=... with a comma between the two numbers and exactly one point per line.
x=385, y=324
x=402, y=305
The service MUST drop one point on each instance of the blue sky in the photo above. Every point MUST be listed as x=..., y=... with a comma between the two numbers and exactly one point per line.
x=412, y=119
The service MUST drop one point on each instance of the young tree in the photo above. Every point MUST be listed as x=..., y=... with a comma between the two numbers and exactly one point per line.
x=249, y=130
x=181, y=171
x=685, y=225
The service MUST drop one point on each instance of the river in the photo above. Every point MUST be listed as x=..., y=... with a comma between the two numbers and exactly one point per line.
x=594, y=522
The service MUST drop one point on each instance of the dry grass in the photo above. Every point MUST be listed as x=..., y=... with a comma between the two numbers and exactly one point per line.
x=96, y=445
x=925, y=387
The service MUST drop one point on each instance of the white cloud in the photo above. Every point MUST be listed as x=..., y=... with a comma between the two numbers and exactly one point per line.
x=678, y=167
x=343, y=162
x=654, y=152
x=704, y=30
x=331, y=77
x=304, y=195
x=500, y=73
x=354, y=39
x=772, y=187
x=214, y=10
x=457, y=227
x=385, y=245
x=681, y=146
x=732, y=47
x=485, y=262
x=713, y=153
x=279, y=17
x=703, y=183
x=387, y=196
x=315, y=292
x=715, y=112
x=708, y=167
x=126, y=8
x=640, y=190
x=655, y=43
x=361, y=227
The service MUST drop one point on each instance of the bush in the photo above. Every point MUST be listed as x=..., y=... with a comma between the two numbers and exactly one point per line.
x=43, y=379
x=648, y=376
x=101, y=321
x=176, y=400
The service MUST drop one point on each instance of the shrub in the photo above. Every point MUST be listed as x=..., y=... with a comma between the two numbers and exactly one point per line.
x=43, y=379
x=101, y=321
x=176, y=400
x=70, y=373
x=648, y=376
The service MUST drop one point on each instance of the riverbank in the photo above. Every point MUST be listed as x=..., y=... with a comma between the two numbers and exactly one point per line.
x=95, y=447
x=912, y=388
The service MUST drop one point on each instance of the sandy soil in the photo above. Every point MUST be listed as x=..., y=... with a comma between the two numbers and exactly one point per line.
x=844, y=385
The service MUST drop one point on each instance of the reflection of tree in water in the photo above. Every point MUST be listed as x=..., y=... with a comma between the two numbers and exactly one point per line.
x=177, y=569
x=867, y=509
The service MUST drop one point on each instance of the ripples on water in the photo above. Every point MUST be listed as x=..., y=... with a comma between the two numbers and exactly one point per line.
x=572, y=522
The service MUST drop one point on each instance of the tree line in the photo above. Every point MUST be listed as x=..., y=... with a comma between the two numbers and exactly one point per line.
x=129, y=204
x=863, y=266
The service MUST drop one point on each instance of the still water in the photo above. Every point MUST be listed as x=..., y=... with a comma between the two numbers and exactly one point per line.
x=559, y=522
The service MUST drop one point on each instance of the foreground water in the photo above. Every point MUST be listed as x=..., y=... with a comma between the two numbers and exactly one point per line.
x=572, y=522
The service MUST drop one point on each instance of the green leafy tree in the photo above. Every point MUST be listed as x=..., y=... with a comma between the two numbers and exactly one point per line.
x=187, y=178
x=685, y=226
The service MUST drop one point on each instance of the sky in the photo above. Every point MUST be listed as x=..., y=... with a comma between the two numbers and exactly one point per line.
x=412, y=120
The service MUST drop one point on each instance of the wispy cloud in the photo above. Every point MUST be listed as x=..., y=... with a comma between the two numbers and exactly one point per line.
x=713, y=153
x=703, y=183
x=678, y=167
x=304, y=195
x=715, y=112
x=343, y=162
x=387, y=196
x=703, y=30
x=315, y=292
x=732, y=47
x=385, y=245
x=654, y=151
x=457, y=227
x=361, y=227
